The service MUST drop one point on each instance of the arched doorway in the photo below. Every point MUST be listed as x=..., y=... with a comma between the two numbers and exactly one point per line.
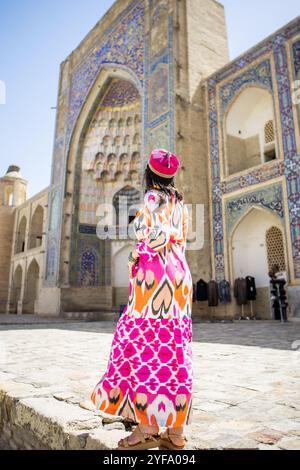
x=251, y=254
x=16, y=289
x=31, y=287
x=249, y=246
x=36, y=228
x=250, y=131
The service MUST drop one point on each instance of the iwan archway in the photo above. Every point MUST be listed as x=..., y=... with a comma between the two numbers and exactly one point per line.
x=105, y=157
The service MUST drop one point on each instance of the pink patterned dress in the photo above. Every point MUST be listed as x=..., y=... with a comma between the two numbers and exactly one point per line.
x=149, y=377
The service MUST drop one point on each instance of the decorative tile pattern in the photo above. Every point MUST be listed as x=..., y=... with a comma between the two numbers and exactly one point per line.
x=260, y=175
x=55, y=197
x=293, y=187
x=270, y=198
x=57, y=179
x=217, y=221
x=159, y=27
x=285, y=99
x=88, y=274
x=59, y=148
x=121, y=93
x=159, y=104
x=51, y=259
x=159, y=136
x=296, y=54
x=87, y=229
x=160, y=96
x=259, y=75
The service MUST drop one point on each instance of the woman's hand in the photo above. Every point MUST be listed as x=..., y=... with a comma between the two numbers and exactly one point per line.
x=132, y=260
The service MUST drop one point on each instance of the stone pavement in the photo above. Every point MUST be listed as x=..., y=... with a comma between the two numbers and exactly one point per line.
x=246, y=394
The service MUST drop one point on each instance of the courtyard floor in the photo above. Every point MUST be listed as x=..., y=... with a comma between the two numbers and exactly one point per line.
x=246, y=392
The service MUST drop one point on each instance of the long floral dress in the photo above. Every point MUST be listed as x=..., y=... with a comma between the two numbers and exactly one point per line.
x=149, y=377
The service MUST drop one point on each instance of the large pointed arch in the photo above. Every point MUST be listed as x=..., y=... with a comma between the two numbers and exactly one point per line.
x=107, y=76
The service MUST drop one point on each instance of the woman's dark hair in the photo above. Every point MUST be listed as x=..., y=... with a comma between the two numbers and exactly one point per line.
x=165, y=185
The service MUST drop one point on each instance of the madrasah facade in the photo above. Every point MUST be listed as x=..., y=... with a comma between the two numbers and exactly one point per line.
x=156, y=74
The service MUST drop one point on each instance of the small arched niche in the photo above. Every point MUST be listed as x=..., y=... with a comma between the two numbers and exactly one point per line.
x=9, y=197
x=31, y=287
x=36, y=228
x=16, y=289
x=21, y=236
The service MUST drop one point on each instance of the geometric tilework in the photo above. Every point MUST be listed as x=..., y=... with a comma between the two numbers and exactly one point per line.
x=258, y=75
x=285, y=99
x=120, y=94
x=51, y=259
x=259, y=175
x=159, y=90
x=88, y=274
x=217, y=218
x=293, y=187
x=296, y=54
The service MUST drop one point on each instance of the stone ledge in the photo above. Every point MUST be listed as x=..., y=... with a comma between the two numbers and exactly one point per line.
x=43, y=423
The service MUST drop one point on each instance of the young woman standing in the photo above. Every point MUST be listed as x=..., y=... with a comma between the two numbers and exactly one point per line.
x=149, y=377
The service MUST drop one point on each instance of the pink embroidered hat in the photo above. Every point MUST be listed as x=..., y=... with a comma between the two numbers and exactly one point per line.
x=163, y=163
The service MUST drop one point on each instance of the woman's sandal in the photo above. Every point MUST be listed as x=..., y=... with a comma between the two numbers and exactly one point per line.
x=168, y=443
x=147, y=441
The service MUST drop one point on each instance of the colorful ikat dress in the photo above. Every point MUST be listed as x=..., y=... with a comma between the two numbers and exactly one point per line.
x=149, y=376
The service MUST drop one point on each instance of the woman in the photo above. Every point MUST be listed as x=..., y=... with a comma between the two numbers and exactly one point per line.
x=149, y=377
